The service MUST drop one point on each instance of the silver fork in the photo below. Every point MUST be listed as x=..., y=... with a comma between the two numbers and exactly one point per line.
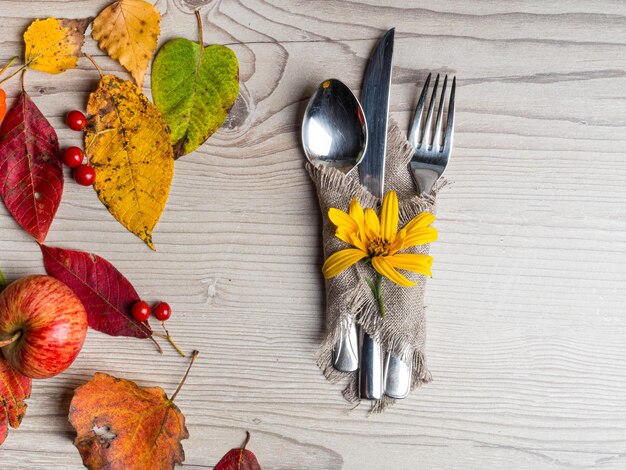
x=430, y=159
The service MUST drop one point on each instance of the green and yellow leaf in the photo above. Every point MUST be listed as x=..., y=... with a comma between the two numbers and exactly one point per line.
x=53, y=45
x=194, y=87
x=130, y=149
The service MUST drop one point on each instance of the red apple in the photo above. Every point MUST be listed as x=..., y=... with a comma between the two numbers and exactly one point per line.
x=42, y=326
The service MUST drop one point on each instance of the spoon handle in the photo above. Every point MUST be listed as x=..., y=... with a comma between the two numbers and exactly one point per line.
x=346, y=350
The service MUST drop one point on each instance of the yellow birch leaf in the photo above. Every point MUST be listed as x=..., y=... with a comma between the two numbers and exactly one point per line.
x=130, y=148
x=53, y=45
x=128, y=30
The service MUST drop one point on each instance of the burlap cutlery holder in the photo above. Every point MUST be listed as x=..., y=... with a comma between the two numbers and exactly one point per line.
x=403, y=330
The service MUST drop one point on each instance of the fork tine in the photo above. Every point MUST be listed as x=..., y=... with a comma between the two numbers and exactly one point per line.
x=429, y=117
x=447, y=143
x=439, y=121
x=414, y=137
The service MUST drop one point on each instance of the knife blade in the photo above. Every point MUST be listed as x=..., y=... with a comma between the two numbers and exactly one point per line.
x=375, y=103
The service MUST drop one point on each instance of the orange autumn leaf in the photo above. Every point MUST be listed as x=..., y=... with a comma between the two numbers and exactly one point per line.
x=14, y=389
x=121, y=426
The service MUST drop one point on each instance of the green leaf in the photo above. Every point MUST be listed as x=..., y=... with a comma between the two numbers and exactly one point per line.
x=3, y=283
x=194, y=88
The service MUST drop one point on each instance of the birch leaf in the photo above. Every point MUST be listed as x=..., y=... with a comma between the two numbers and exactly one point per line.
x=128, y=30
x=194, y=87
x=53, y=45
x=130, y=149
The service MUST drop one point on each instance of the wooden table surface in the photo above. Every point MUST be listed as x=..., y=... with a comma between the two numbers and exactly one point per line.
x=526, y=309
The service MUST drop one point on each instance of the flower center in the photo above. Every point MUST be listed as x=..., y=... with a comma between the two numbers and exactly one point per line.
x=378, y=247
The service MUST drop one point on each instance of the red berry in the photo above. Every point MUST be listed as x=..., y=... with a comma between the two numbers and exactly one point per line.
x=141, y=311
x=76, y=120
x=73, y=156
x=84, y=175
x=162, y=311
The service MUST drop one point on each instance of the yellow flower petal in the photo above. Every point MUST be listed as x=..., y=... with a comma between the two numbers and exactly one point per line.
x=341, y=260
x=343, y=234
x=389, y=216
x=356, y=241
x=356, y=212
x=419, y=221
x=341, y=219
x=381, y=265
x=398, y=243
x=421, y=236
x=411, y=262
x=372, y=225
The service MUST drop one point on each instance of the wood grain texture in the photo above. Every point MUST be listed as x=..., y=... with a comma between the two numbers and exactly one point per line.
x=526, y=310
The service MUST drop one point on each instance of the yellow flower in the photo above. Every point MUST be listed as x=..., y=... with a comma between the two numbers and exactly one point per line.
x=379, y=241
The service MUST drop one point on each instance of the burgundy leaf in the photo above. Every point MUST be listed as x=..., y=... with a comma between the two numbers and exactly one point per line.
x=106, y=294
x=31, y=177
x=239, y=459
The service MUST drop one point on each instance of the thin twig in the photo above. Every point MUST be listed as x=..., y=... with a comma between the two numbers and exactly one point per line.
x=194, y=354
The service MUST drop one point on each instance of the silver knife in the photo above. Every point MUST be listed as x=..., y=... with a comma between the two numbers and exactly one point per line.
x=375, y=102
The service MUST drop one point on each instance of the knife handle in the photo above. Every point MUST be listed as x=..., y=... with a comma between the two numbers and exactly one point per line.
x=397, y=377
x=346, y=350
x=371, y=368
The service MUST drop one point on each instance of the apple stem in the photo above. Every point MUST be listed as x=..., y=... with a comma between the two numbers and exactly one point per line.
x=194, y=354
x=12, y=339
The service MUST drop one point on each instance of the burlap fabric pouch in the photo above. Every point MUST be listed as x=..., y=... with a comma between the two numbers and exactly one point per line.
x=402, y=331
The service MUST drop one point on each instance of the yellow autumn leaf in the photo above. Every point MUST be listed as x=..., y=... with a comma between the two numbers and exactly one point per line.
x=130, y=148
x=128, y=30
x=53, y=45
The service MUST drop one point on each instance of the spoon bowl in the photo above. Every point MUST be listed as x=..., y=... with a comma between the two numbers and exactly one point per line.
x=334, y=130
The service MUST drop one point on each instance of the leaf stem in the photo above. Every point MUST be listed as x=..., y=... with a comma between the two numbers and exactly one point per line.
x=194, y=354
x=245, y=443
x=9, y=63
x=200, y=35
x=94, y=64
x=13, y=74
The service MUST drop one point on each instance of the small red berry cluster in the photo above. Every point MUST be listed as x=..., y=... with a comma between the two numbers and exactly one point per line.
x=141, y=311
x=73, y=157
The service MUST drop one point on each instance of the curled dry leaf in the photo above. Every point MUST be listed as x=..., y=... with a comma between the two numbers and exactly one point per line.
x=121, y=426
x=14, y=389
x=105, y=293
x=239, y=459
x=53, y=45
x=130, y=149
x=194, y=87
x=128, y=31
x=31, y=177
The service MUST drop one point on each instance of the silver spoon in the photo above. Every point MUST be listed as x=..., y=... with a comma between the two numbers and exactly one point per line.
x=334, y=133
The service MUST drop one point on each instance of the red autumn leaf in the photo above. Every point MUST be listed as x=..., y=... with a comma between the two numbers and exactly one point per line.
x=31, y=177
x=106, y=294
x=14, y=389
x=239, y=459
